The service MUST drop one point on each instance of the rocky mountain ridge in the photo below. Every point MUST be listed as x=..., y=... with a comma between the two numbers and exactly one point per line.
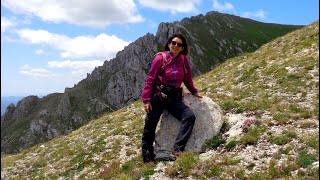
x=213, y=38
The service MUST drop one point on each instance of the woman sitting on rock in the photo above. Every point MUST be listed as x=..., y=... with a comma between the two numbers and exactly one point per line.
x=162, y=90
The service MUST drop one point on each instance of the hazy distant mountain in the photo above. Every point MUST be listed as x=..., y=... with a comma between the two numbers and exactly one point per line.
x=6, y=100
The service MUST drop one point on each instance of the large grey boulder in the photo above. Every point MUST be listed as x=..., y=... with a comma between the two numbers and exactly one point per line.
x=208, y=124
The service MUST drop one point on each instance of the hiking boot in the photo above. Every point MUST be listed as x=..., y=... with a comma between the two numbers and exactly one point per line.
x=177, y=153
x=147, y=156
x=150, y=163
x=171, y=157
x=152, y=155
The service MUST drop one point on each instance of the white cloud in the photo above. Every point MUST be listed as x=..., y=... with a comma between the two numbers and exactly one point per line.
x=229, y=7
x=258, y=14
x=6, y=24
x=75, y=64
x=97, y=13
x=177, y=6
x=79, y=68
x=222, y=7
x=39, y=52
x=37, y=73
x=41, y=37
x=25, y=67
x=101, y=46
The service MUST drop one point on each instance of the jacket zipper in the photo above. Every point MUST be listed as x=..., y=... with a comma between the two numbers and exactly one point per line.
x=174, y=69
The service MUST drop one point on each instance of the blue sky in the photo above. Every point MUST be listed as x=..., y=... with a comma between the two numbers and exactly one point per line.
x=47, y=46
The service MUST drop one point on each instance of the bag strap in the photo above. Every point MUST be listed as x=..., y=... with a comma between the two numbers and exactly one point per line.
x=164, y=60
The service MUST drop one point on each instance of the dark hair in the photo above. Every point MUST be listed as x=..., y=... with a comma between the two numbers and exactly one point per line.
x=185, y=50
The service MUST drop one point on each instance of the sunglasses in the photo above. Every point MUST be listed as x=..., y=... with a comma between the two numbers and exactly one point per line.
x=175, y=43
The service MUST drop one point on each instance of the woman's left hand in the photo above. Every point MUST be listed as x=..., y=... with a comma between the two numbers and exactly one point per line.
x=198, y=95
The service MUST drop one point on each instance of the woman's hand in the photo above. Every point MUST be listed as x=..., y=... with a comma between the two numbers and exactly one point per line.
x=198, y=95
x=147, y=107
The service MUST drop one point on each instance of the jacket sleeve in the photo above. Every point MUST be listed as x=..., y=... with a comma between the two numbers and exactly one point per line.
x=151, y=78
x=188, y=77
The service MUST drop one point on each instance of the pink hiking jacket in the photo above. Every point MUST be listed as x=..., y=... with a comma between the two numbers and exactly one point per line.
x=173, y=75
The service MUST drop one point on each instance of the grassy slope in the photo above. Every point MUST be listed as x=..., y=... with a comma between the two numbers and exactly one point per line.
x=281, y=78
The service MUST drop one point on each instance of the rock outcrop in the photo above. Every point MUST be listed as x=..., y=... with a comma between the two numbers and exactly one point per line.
x=208, y=124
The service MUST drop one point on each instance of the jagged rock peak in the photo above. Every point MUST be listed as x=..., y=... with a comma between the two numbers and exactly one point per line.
x=24, y=106
x=8, y=113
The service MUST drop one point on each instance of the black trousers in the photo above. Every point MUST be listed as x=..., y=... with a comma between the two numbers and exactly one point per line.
x=176, y=108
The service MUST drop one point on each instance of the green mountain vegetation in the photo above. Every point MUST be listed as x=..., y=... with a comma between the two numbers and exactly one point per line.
x=222, y=37
x=276, y=87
